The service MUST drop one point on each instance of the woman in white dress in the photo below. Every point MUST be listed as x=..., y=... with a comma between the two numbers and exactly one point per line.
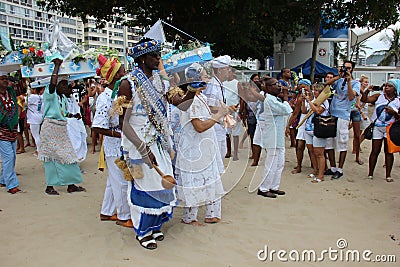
x=198, y=159
x=35, y=114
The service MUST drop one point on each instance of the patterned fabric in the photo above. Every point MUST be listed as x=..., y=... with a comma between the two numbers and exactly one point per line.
x=7, y=134
x=103, y=119
x=55, y=143
x=9, y=112
x=144, y=48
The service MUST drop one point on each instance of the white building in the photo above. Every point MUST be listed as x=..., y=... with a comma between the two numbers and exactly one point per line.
x=24, y=21
x=251, y=64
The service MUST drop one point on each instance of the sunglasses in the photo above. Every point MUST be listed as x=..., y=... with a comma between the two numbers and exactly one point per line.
x=277, y=84
x=154, y=54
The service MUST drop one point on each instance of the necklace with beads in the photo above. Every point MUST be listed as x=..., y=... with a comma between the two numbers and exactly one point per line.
x=7, y=101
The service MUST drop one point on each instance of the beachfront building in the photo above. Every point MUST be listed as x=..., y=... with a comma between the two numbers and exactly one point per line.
x=251, y=64
x=24, y=21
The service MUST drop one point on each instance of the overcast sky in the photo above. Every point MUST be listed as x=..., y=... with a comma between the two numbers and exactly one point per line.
x=374, y=41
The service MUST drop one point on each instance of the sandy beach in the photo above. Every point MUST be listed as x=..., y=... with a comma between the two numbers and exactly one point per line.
x=41, y=230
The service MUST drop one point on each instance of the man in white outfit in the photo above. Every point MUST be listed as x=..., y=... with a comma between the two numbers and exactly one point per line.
x=276, y=112
x=215, y=94
x=115, y=195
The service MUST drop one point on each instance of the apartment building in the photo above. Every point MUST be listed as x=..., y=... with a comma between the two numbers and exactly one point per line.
x=25, y=21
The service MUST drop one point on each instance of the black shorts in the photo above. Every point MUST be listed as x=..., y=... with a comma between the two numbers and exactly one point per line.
x=21, y=124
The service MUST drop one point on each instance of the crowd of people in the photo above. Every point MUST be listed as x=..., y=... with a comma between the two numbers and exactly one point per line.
x=164, y=136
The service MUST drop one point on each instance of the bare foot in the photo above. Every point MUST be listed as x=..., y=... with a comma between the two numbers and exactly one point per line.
x=359, y=161
x=20, y=151
x=194, y=223
x=212, y=220
x=26, y=145
x=296, y=170
x=235, y=158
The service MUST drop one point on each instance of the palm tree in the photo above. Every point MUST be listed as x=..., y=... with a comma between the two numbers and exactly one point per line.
x=360, y=48
x=340, y=52
x=393, y=53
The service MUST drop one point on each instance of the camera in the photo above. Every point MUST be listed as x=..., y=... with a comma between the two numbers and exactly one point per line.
x=376, y=88
x=344, y=69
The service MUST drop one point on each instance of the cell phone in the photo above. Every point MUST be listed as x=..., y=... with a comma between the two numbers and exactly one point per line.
x=376, y=88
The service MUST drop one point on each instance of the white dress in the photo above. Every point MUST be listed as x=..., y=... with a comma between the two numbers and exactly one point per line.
x=76, y=130
x=198, y=162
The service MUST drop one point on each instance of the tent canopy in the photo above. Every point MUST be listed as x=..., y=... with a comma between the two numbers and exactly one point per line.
x=320, y=69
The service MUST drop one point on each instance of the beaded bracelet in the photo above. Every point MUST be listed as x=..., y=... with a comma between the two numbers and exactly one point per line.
x=140, y=147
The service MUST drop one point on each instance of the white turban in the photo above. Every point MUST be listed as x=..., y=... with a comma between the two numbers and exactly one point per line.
x=3, y=73
x=221, y=62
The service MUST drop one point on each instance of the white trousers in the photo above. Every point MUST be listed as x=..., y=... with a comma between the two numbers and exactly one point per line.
x=115, y=195
x=222, y=148
x=273, y=168
x=213, y=210
x=35, y=129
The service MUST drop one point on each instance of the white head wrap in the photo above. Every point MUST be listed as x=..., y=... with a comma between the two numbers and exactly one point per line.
x=3, y=73
x=221, y=62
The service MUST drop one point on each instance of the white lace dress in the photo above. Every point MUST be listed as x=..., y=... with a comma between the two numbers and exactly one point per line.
x=198, y=162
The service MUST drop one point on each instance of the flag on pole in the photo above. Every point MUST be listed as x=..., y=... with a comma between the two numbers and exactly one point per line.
x=5, y=41
x=156, y=32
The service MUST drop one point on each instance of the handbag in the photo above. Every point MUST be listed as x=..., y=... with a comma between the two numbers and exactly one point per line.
x=392, y=137
x=325, y=126
x=394, y=133
x=368, y=132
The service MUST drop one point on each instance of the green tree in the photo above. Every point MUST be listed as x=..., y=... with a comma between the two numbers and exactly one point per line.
x=393, y=53
x=239, y=28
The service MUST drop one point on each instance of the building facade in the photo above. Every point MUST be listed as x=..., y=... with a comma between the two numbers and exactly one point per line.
x=24, y=21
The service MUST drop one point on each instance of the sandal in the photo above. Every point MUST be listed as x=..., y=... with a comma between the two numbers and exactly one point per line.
x=158, y=235
x=147, y=242
x=311, y=175
x=75, y=188
x=51, y=191
x=14, y=190
x=389, y=179
x=316, y=180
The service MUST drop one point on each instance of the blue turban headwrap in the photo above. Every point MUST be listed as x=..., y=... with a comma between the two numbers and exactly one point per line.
x=396, y=84
x=305, y=81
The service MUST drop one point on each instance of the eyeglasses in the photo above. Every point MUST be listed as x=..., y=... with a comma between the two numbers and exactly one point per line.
x=277, y=84
x=154, y=54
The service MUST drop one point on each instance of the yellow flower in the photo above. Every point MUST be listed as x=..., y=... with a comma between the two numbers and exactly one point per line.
x=25, y=51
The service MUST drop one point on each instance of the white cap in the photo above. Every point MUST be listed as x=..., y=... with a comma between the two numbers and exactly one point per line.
x=221, y=62
x=3, y=73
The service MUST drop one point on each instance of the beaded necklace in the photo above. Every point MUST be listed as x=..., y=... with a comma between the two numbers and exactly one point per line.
x=8, y=109
x=7, y=101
